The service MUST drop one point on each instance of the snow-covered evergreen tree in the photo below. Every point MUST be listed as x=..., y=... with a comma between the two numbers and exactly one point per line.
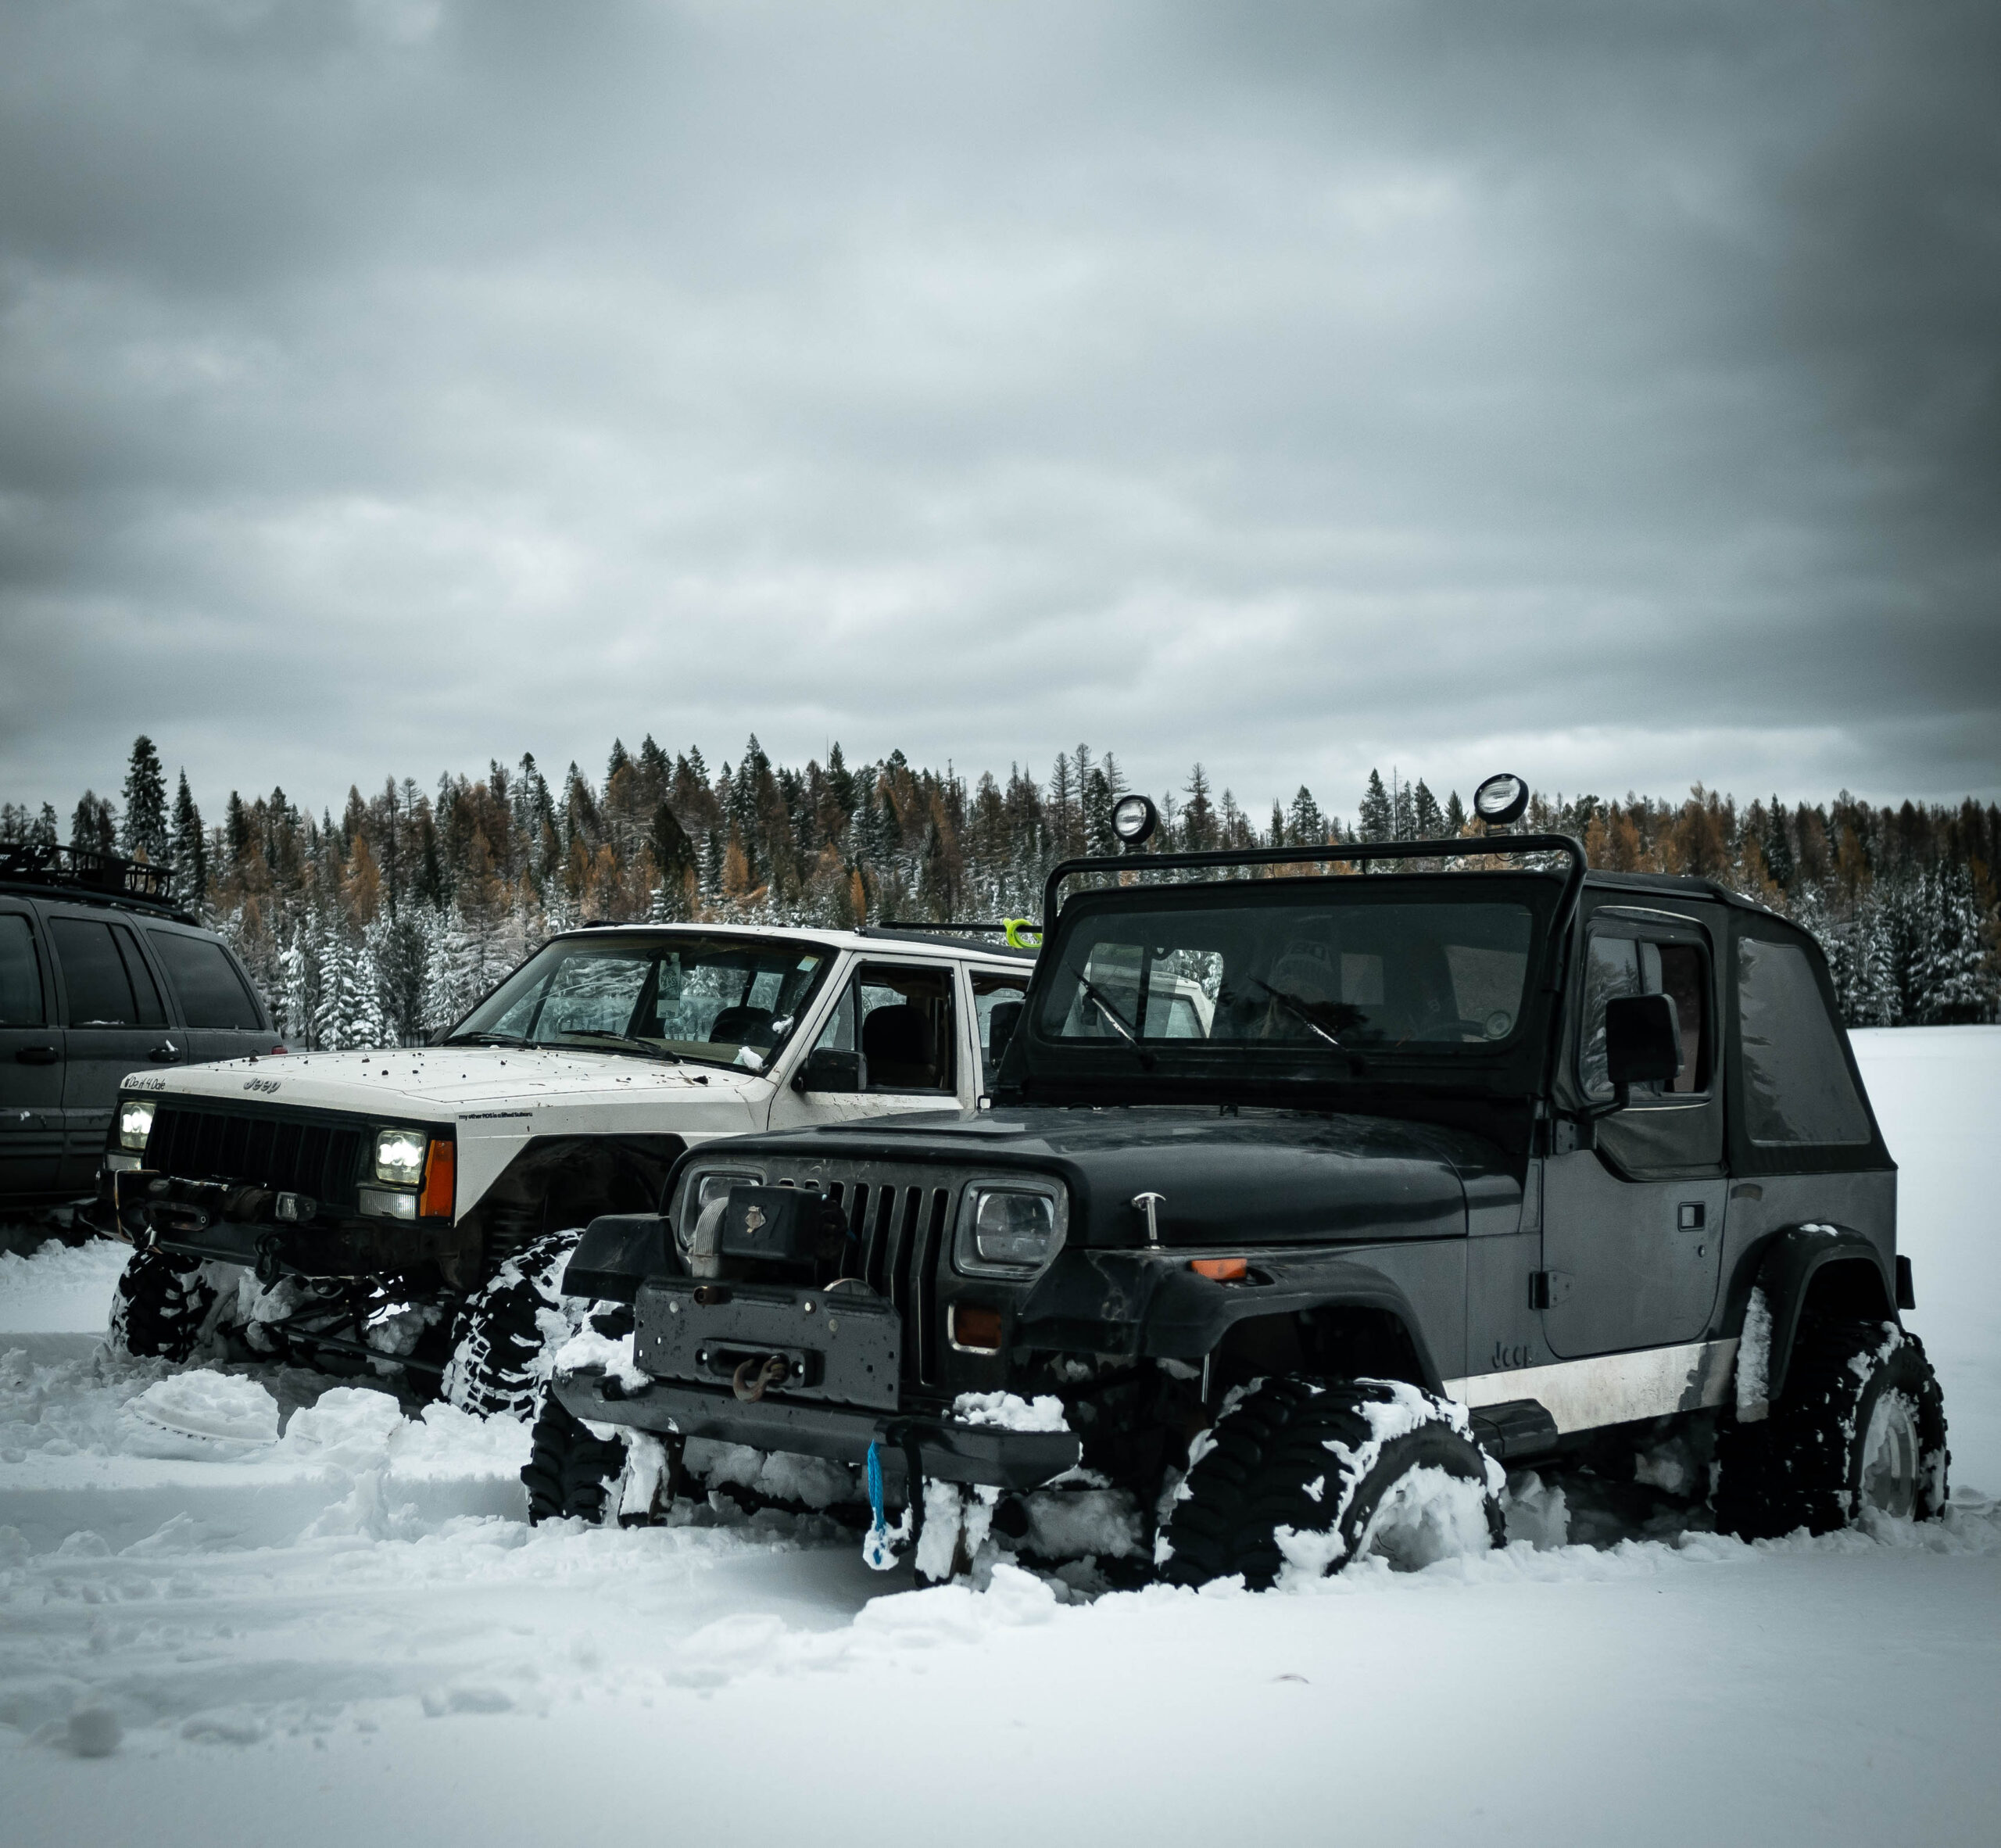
x=1376, y=819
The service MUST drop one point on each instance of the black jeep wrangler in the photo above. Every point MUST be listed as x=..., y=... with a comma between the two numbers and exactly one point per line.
x=1303, y=1201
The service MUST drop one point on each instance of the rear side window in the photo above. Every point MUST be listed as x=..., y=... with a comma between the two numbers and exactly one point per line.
x=204, y=981
x=20, y=976
x=1796, y=1083
x=108, y=981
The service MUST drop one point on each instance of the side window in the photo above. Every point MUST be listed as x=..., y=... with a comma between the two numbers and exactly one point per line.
x=145, y=991
x=904, y=1018
x=989, y=992
x=20, y=973
x=1620, y=965
x=94, y=972
x=205, y=981
x=1796, y=1083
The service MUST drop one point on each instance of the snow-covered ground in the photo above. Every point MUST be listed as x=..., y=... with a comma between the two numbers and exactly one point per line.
x=347, y=1630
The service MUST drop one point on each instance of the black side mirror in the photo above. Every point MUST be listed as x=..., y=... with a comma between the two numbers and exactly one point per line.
x=1000, y=1025
x=827, y=1068
x=1642, y=1046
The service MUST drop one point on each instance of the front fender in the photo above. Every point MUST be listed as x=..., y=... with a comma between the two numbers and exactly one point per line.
x=1149, y=1304
x=1787, y=1267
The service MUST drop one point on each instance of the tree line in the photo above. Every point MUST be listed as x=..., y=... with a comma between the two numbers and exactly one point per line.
x=382, y=925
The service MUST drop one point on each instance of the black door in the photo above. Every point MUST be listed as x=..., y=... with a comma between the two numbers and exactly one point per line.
x=221, y=1017
x=116, y=1022
x=30, y=1059
x=1632, y=1226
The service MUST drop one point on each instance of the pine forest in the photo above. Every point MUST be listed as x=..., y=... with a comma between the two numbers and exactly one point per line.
x=384, y=924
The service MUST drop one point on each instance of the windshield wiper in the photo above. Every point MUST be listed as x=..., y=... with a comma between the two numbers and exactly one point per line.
x=1297, y=1009
x=605, y=1033
x=1127, y=1031
x=486, y=1040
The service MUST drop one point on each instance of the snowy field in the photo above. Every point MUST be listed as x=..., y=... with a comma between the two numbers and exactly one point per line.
x=347, y=1631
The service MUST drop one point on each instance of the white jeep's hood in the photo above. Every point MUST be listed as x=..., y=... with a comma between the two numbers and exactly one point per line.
x=437, y=1083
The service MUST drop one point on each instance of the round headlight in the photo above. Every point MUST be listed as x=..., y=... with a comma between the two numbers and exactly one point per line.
x=1500, y=799
x=1134, y=817
x=400, y=1156
x=135, y=1121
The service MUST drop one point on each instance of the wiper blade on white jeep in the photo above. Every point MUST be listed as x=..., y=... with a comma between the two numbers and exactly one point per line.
x=605, y=1033
x=485, y=1040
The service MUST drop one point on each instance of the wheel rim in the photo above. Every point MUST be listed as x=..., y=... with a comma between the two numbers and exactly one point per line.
x=1428, y=1515
x=1889, y=1457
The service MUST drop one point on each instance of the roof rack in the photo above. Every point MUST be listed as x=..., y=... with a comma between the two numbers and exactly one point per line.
x=88, y=873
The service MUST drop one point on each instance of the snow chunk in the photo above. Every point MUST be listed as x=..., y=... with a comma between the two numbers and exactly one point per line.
x=1754, y=1360
x=587, y=1348
x=347, y=1428
x=1010, y=1412
x=1537, y=1513
x=1067, y=1523
x=204, y=1413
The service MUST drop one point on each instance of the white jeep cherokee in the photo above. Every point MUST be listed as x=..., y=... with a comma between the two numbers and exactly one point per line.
x=412, y=1208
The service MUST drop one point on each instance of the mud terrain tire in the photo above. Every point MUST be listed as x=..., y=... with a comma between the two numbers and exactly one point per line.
x=569, y=1473
x=1298, y=1470
x=1811, y=1463
x=508, y=1330
x=159, y=1307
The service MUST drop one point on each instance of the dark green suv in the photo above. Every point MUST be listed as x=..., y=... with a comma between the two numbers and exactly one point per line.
x=101, y=975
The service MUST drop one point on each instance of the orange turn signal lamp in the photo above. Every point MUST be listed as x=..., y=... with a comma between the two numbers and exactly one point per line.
x=1221, y=1270
x=978, y=1330
x=435, y=1200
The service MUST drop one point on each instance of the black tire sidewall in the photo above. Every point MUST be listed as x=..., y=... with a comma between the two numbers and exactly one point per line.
x=1272, y=1442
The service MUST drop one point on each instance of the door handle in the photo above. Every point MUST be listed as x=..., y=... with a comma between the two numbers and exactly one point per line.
x=39, y=1055
x=165, y=1054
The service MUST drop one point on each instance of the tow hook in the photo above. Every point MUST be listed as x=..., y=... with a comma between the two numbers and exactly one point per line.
x=749, y=1387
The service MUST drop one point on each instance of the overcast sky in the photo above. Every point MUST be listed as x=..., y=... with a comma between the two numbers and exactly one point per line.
x=1604, y=393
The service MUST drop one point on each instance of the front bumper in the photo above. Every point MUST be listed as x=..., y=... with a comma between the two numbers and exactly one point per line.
x=236, y=1223
x=948, y=1449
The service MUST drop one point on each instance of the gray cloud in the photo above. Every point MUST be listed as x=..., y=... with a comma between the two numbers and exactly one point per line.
x=1610, y=392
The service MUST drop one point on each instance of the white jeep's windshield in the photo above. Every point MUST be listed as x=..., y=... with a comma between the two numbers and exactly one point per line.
x=720, y=999
x=1363, y=975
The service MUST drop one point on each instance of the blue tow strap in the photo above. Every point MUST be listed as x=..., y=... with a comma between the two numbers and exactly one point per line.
x=875, y=1487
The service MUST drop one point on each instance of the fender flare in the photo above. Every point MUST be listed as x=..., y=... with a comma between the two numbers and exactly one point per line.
x=1151, y=1305
x=1787, y=1267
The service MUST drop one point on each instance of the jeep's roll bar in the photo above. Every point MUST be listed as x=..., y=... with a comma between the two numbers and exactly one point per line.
x=1330, y=853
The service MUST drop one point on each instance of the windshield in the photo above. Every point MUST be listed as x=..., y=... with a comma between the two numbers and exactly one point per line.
x=718, y=1000
x=1286, y=969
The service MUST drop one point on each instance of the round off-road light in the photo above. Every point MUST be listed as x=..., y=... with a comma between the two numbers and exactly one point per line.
x=1133, y=818
x=1500, y=799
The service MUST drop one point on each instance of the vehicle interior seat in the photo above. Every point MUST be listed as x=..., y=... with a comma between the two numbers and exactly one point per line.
x=896, y=1043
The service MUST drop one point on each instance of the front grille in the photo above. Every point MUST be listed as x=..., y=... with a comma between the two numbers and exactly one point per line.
x=901, y=1215
x=299, y=1154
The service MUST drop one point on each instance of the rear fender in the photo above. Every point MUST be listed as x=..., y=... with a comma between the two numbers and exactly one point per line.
x=1833, y=1269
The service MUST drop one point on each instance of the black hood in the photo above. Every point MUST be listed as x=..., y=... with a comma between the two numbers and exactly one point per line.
x=1264, y=1177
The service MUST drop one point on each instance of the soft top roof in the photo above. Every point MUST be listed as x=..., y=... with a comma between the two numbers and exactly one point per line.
x=1674, y=884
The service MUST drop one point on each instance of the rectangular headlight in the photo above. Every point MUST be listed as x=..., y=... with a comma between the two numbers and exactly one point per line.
x=135, y=1121
x=703, y=1189
x=1009, y=1231
x=400, y=1156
